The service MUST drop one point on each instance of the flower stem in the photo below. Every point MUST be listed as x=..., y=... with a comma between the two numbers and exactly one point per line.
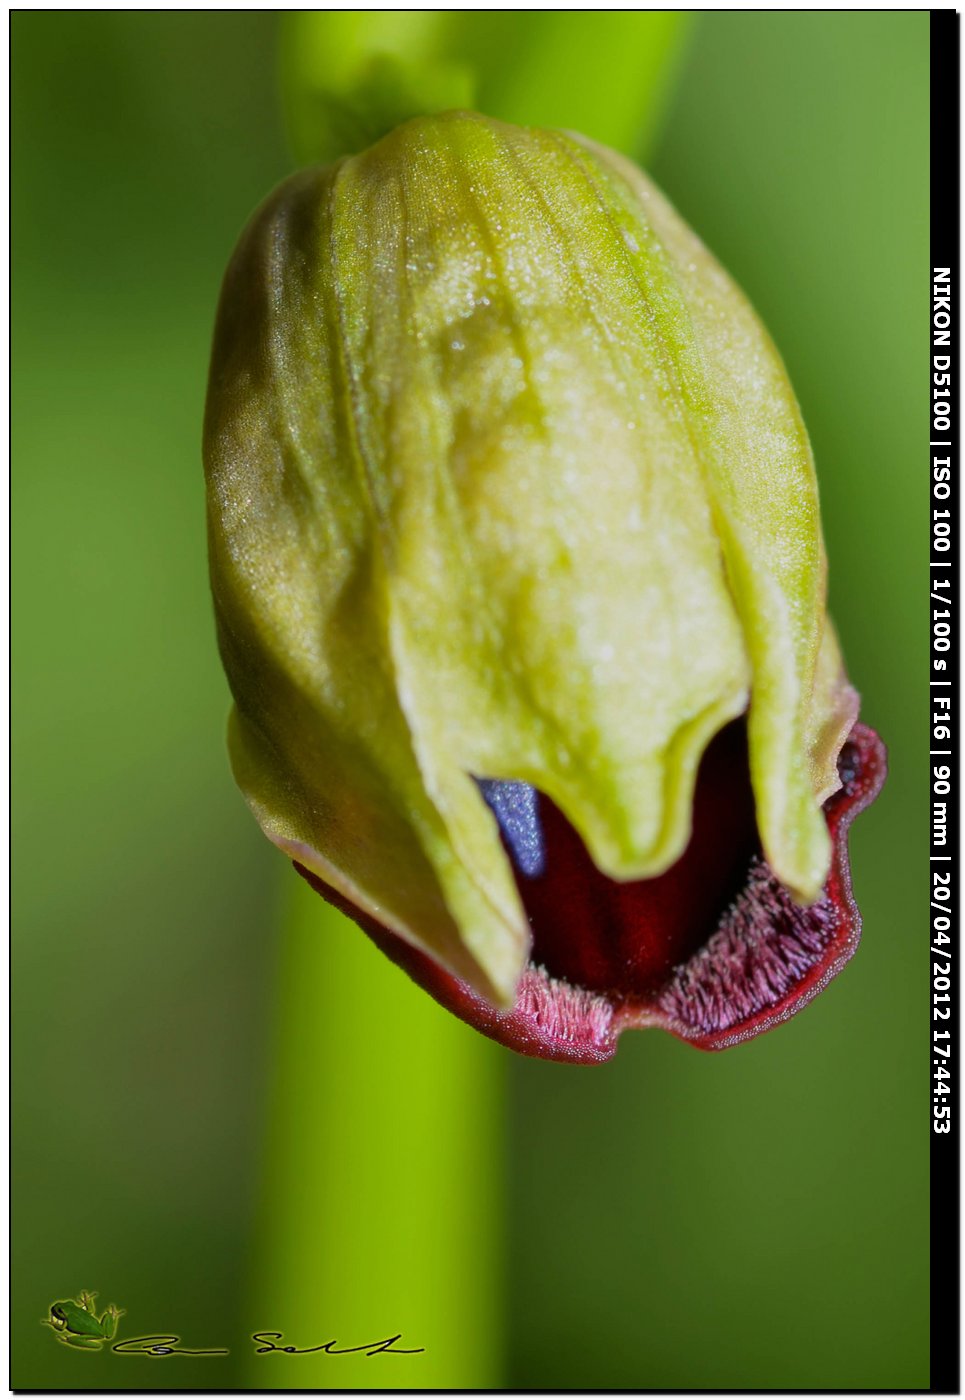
x=382, y=1176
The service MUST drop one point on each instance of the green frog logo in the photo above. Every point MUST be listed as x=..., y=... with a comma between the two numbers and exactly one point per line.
x=77, y=1324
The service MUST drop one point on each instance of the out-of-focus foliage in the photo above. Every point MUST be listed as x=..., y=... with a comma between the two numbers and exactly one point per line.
x=142, y=892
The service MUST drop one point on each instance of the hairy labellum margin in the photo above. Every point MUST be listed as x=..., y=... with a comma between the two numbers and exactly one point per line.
x=715, y=950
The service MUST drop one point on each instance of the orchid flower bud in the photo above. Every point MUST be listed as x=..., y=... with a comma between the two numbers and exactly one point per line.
x=520, y=588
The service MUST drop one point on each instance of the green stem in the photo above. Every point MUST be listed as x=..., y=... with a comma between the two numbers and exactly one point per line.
x=382, y=1202
x=383, y=1170
x=350, y=76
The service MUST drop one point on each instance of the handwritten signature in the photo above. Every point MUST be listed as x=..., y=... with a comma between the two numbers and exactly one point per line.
x=163, y=1344
x=268, y=1340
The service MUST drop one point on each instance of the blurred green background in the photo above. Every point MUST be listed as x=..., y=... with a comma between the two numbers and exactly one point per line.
x=211, y=1125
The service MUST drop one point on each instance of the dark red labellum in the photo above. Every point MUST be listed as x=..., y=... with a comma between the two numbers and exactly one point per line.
x=715, y=950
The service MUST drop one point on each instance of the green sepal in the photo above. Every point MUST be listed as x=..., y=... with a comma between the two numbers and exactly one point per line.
x=506, y=481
